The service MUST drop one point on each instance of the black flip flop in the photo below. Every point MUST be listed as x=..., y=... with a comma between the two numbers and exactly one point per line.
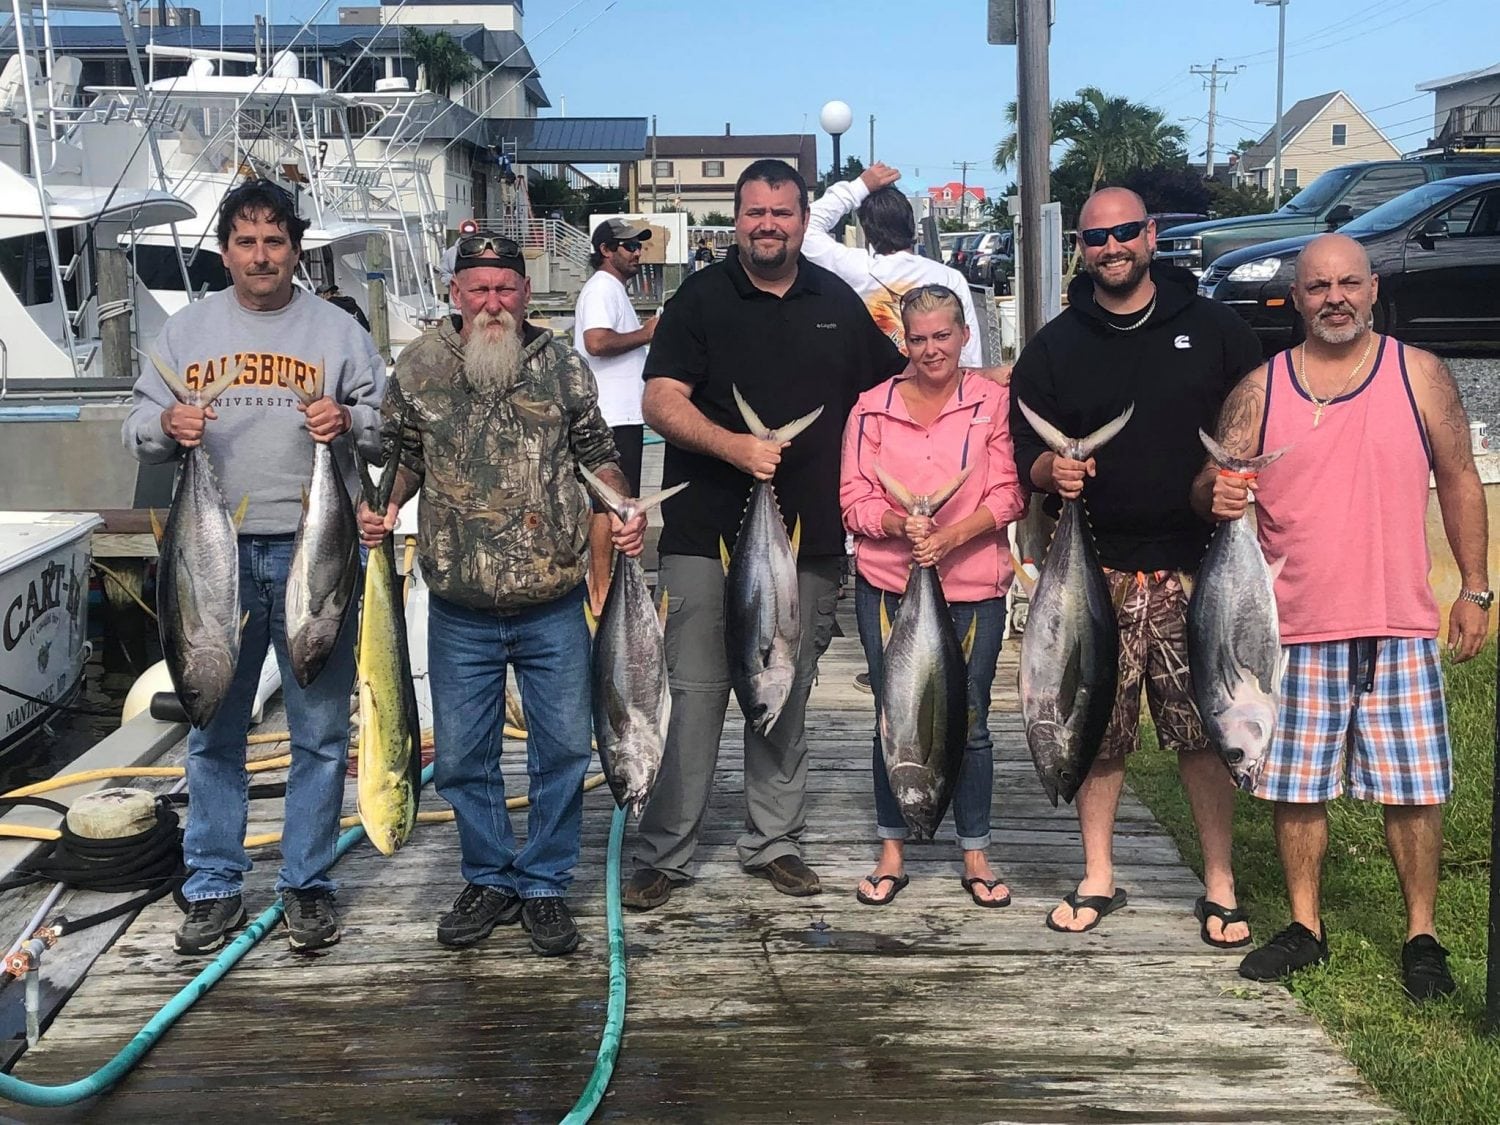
x=898, y=884
x=1101, y=905
x=969, y=882
x=1205, y=908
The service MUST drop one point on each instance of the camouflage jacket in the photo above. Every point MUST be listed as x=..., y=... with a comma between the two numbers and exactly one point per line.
x=504, y=516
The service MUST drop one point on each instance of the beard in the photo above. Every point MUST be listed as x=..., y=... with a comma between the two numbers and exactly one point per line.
x=492, y=354
x=1140, y=264
x=772, y=259
x=1359, y=324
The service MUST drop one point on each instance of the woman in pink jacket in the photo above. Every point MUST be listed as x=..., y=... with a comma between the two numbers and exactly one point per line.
x=922, y=428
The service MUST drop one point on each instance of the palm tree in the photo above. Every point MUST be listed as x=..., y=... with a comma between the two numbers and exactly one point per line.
x=1110, y=135
x=440, y=57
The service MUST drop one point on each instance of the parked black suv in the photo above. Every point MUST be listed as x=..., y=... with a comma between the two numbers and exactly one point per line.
x=1330, y=201
x=991, y=261
x=1436, y=250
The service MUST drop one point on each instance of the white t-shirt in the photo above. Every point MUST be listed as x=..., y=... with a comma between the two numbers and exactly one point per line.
x=881, y=279
x=603, y=303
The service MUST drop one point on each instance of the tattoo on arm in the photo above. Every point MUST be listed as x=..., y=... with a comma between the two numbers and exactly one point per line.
x=1444, y=416
x=1240, y=416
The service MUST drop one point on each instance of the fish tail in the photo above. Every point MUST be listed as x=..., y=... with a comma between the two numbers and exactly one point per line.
x=752, y=420
x=1249, y=466
x=903, y=495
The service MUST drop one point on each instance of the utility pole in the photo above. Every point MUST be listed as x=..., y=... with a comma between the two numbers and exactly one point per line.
x=872, y=138
x=1034, y=158
x=1212, y=74
x=963, y=188
x=653, y=163
x=1280, y=6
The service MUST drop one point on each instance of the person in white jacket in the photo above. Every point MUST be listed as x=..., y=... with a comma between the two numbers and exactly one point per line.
x=886, y=271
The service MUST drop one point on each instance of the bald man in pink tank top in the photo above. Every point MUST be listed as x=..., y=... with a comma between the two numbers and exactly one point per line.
x=1363, y=420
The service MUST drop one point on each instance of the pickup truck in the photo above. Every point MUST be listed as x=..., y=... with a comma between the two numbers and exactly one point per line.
x=1330, y=201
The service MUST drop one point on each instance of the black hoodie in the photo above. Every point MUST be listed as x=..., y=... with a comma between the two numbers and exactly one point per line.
x=1082, y=370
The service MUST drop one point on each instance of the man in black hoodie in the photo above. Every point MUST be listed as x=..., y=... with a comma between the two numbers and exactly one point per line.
x=1137, y=332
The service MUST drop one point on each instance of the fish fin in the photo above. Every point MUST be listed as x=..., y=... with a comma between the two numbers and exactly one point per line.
x=644, y=502
x=1248, y=465
x=1100, y=437
x=1188, y=582
x=173, y=381
x=968, y=641
x=589, y=618
x=244, y=620
x=661, y=612
x=944, y=494
x=156, y=528
x=752, y=420
x=1028, y=583
x=320, y=382
x=1276, y=567
x=207, y=394
x=903, y=495
x=796, y=537
x=606, y=495
x=724, y=554
x=792, y=429
x=239, y=513
x=306, y=500
x=885, y=622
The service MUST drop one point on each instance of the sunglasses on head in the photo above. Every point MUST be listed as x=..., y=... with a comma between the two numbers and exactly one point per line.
x=1123, y=232
x=477, y=244
x=941, y=291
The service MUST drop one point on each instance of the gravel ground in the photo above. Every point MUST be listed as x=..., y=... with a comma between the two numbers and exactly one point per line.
x=1477, y=371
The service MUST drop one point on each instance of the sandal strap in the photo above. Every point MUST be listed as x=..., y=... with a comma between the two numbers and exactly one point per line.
x=1097, y=903
x=1227, y=915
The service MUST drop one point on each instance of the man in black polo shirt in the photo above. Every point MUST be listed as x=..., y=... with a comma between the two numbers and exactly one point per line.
x=792, y=337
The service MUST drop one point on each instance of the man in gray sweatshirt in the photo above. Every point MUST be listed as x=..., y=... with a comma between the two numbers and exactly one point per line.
x=270, y=336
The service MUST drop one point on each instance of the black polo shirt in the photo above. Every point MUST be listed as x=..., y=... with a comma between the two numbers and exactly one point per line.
x=815, y=346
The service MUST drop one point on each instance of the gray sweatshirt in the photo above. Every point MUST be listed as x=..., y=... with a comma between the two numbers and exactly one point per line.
x=259, y=444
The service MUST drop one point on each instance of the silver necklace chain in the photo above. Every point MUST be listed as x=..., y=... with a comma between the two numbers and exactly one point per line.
x=1145, y=316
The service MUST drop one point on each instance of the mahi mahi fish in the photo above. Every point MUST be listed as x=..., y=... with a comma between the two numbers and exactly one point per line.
x=1070, y=650
x=390, y=735
x=325, y=559
x=1234, y=637
x=198, y=573
x=924, y=686
x=762, y=621
x=632, y=700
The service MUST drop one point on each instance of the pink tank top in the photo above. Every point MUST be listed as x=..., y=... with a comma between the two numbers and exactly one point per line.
x=1346, y=506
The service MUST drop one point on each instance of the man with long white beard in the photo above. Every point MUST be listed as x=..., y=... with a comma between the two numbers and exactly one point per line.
x=491, y=418
x=1362, y=420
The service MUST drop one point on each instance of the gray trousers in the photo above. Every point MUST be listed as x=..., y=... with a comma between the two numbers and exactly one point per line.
x=698, y=669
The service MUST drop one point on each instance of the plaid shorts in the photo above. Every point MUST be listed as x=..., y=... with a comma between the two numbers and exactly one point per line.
x=1151, y=610
x=1377, y=701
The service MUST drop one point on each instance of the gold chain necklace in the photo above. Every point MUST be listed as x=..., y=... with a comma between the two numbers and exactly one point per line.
x=1321, y=404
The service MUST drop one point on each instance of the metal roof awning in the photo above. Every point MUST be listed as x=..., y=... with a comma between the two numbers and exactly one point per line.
x=569, y=140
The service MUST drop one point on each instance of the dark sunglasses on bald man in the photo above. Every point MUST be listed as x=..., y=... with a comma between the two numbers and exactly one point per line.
x=1123, y=232
x=475, y=245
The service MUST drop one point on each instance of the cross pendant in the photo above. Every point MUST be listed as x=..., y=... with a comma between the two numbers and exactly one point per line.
x=1317, y=415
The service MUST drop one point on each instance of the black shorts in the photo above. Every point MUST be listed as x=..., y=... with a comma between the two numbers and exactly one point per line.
x=628, y=443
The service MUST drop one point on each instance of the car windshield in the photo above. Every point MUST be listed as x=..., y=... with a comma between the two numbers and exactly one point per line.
x=1318, y=194
x=1398, y=212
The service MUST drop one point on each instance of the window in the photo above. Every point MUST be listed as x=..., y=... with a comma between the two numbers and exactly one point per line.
x=713, y=169
x=661, y=168
x=1379, y=184
x=1288, y=179
x=1340, y=135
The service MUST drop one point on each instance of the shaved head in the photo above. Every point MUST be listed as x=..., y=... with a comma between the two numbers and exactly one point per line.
x=1335, y=291
x=1338, y=252
x=1109, y=206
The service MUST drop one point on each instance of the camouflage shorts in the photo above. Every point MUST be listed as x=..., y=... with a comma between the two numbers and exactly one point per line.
x=1151, y=609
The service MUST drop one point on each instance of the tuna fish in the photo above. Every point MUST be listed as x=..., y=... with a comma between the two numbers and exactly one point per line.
x=762, y=622
x=924, y=687
x=198, y=574
x=1071, y=648
x=1234, y=637
x=632, y=701
x=325, y=560
x=390, y=736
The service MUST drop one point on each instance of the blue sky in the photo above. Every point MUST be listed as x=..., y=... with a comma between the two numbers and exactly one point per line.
x=938, y=90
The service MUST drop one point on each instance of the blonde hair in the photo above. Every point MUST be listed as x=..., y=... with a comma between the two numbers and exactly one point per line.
x=931, y=298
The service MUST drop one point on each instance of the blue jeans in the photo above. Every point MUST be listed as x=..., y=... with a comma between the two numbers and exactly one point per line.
x=468, y=653
x=318, y=715
x=971, y=800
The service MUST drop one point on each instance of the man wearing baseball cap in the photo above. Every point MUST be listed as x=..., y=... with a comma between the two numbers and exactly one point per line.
x=491, y=418
x=612, y=340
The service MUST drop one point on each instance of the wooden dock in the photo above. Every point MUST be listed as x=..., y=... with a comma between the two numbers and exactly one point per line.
x=744, y=1005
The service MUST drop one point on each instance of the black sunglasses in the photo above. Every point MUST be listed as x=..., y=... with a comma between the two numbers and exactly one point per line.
x=1123, y=232
x=633, y=245
x=940, y=291
x=477, y=244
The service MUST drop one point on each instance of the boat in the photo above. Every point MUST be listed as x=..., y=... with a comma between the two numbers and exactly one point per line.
x=44, y=580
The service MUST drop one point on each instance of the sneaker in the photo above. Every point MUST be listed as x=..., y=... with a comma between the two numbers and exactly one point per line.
x=311, y=920
x=550, y=924
x=1292, y=949
x=1424, y=969
x=646, y=890
x=476, y=912
x=862, y=682
x=208, y=924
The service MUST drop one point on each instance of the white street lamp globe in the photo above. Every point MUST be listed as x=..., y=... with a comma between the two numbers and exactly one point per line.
x=836, y=117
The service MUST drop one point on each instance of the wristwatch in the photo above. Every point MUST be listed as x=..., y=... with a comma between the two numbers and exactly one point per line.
x=1482, y=598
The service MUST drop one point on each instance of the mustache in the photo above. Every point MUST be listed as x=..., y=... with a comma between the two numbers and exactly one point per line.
x=1335, y=310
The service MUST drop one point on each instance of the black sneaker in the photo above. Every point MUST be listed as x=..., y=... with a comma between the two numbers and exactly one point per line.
x=1292, y=949
x=311, y=920
x=1424, y=969
x=476, y=912
x=208, y=924
x=550, y=924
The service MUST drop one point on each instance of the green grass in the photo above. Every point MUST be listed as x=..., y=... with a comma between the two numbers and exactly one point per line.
x=1433, y=1063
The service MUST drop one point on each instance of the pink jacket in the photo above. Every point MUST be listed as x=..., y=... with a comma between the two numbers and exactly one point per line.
x=972, y=430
